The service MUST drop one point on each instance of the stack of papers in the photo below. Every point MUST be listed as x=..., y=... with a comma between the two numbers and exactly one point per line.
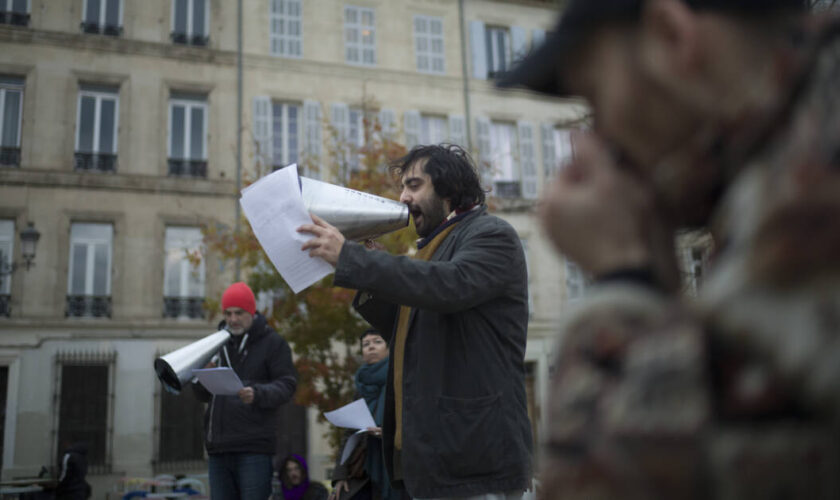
x=221, y=381
x=356, y=415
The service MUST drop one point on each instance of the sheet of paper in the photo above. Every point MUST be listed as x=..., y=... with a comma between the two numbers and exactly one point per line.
x=356, y=415
x=351, y=444
x=221, y=381
x=275, y=209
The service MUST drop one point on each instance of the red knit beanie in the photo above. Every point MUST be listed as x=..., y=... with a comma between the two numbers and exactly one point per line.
x=239, y=295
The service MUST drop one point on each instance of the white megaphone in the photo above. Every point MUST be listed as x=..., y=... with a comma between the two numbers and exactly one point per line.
x=175, y=369
x=359, y=216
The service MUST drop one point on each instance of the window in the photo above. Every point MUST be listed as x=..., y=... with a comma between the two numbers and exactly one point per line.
x=7, y=245
x=89, y=281
x=96, y=129
x=188, y=136
x=359, y=36
x=183, y=280
x=286, y=28
x=575, y=281
x=102, y=16
x=190, y=22
x=498, y=49
x=506, y=176
x=85, y=391
x=433, y=129
x=15, y=12
x=11, y=110
x=428, y=44
x=180, y=434
x=285, y=136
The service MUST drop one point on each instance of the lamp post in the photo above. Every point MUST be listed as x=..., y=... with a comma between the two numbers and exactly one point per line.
x=28, y=241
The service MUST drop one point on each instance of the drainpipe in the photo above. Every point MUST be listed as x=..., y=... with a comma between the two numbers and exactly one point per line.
x=236, y=272
x=465, y=75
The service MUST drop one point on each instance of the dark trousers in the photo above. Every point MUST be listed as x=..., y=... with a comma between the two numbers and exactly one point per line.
x=242, y=476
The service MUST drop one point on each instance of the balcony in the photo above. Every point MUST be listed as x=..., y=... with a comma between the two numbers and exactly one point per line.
x=100, y=162
x=185, y=39
x=9, y=157
x=88, y=306
x=180, y=167
x=183, y=307
x=14, y=18
x=100, y=29
x=507, y=189
x=5, y=305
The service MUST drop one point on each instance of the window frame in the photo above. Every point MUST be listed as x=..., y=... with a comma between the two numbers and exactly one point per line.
x=185, y=268
x=425, y=131
x=360, y=27
x=11, y=3
x=103, y=14
x=90, y=242
x=98, y=95
x=188, y=103
x=492, y=50
x=512, y=154
x=190, y=33
x=430, y=38
x=7, y=241
x=284, y=133
x=5, y=87
x=285, y=19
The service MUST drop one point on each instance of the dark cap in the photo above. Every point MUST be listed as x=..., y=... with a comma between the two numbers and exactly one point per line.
x=540, y=70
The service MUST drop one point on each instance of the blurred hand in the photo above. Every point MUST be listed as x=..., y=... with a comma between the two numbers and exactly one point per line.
x=376, y=431
x=374, y=245
x=336, y=493
x=210, y=364
x=327, y=242
x=595, y=213
x=246, y=394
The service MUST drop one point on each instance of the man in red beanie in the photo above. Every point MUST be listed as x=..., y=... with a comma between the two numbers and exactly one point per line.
x=240, y=430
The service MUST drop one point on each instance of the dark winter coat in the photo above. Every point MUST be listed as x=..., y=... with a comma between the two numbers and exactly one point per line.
x=265, y=364
x=71, y=480
x=465, y=422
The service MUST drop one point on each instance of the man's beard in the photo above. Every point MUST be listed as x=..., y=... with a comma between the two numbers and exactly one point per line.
x=432, y=215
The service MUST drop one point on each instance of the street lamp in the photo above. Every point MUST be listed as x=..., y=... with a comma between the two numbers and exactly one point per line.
x=28, y=241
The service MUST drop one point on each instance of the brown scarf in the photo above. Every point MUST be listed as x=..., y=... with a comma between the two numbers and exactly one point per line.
x=424, y=253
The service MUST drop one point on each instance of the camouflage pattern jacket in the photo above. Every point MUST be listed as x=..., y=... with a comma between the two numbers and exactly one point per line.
x=735, y=395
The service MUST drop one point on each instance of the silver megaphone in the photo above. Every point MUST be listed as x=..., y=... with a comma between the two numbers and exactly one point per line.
x=175, y=369
x=359, y=216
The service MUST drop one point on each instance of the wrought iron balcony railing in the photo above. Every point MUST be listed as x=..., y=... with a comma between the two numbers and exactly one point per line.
x=102, y=29
x=100, y=162
x=14, y=18
x=88, y=306
x=185, y=39
x=183, y=307
x=9, y=157
x=187, y=168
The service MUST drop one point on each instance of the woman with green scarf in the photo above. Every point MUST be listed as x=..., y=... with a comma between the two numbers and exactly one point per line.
x=370, y=380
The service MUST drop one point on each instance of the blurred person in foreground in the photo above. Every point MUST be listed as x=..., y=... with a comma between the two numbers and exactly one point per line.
x=456, y=316
x=240, y=431
x=367, y=479
x=295, y=483
x=720, y=114
x=72, y=483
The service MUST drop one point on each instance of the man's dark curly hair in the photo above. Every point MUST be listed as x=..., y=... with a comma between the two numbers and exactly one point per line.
x=453, y=172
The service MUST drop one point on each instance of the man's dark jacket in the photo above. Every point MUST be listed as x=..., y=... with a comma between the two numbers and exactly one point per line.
x=465, y=422
x=265, y=364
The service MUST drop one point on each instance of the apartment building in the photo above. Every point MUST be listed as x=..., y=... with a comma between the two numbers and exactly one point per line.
x=119, y=140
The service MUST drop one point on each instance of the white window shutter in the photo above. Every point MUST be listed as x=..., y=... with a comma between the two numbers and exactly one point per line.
x=411, y=126
x=549, y=156
x=387, y=121
x=485, y=167
x=527, y=160
x=262, y=132
x=312, y=132
x=537, y=38
x=457, y=130
x=519, y=42
x=478, y=49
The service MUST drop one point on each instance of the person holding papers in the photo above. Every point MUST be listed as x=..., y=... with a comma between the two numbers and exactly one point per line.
x=371, y=482
x=456, y=314
x=240, y=430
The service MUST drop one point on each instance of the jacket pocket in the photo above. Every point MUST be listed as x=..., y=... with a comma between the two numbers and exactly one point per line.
x=471, y=436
